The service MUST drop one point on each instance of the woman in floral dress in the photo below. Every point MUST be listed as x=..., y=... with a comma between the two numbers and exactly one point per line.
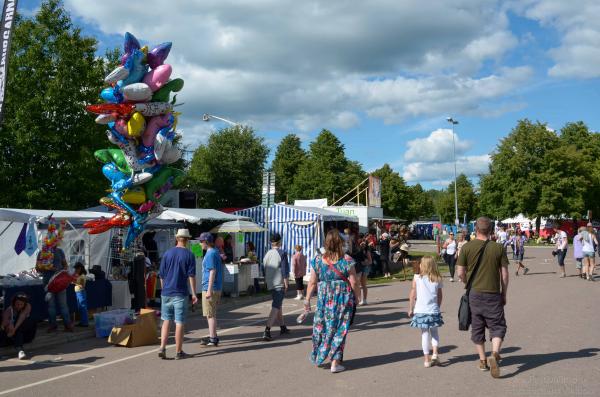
x=336, y=301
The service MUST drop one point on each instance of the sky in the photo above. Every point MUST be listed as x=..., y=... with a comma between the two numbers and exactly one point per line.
x=382, y=75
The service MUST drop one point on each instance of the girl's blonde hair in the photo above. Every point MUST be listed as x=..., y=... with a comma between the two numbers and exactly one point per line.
x=428, y=267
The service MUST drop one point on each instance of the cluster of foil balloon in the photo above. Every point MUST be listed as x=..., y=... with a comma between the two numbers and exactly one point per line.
x=138, y=112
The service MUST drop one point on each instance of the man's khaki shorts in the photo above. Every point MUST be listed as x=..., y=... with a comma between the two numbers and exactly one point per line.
x=209, y=307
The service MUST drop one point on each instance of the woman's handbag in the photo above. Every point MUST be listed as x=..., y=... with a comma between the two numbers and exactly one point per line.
x=464, y=311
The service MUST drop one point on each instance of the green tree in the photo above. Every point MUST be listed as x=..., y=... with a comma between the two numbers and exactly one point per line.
x=288, y=158
x=420, y=204
x=467, y=201
x=395, y=195
x=326, y=172
x=231, y=165
x=535, y=172
x=585, y=163
x=47, y=140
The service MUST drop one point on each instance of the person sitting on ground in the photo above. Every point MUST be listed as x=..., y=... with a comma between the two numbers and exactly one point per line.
x=81, y=295
x=425, y=312
x=17, y=328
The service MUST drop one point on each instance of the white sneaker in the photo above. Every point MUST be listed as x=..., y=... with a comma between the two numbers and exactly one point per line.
x=297, y=298
x=451, y=280
x=22, y=355
x=339, y=368
x=362, y=303
x=427, y=364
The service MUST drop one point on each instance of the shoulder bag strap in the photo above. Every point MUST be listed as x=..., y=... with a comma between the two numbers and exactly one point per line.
x=470, y=281
x=336, y=271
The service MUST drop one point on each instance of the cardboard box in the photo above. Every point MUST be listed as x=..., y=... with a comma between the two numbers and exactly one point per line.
x=142, y=333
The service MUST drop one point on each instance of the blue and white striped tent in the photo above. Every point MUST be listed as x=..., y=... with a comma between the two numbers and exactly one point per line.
x=297, y=226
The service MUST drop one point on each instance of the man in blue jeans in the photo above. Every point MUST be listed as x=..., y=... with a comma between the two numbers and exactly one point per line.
x=178, y=278
x=58, y=263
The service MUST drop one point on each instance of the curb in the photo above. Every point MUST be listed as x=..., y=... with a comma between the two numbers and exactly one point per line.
x=61, y=338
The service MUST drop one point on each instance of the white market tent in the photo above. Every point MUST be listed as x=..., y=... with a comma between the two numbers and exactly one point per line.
x=11, y=224
x=77, y=244
x=199, y=215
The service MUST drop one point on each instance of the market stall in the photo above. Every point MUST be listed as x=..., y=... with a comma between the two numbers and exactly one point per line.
x=101, y=250
x=241, y=274
x=305, y=226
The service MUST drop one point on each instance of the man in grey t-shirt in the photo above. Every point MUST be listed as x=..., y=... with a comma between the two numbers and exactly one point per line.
x=277, y=272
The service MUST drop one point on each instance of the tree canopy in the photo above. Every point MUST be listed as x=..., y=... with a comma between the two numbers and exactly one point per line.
x=467, y=201
x=231, y=166
x=47, y=139
x=326, y=172
x=288, y=158
x=537, y=172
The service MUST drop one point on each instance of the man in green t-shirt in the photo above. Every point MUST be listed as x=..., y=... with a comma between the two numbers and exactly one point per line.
x=487, y=297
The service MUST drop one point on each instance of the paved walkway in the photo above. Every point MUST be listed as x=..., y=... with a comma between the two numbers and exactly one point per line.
x=552, y=348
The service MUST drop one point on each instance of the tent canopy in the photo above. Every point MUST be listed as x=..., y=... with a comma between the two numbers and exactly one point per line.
x=198, y=215
x=23, y=215
x=323, y=214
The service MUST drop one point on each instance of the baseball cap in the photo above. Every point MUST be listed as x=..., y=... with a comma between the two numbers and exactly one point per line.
x=206, y=236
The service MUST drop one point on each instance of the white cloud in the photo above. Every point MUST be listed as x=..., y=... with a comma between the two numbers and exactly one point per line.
x=430, y=159
x=437, y=147
x=442, y=171
x=294, y=65
x=577, y=21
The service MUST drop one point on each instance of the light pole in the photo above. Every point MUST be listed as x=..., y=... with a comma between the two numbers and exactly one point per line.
x=454, y=122
x=206, y=117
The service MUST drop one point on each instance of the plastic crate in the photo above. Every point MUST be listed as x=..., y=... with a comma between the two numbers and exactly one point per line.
x=105, y=321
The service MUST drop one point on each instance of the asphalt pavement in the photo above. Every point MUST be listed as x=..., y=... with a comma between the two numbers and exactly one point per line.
x=552, y=348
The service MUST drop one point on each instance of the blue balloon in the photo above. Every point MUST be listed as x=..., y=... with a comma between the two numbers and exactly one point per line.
x=136, y=68
x=119, y=181
x=112, y=95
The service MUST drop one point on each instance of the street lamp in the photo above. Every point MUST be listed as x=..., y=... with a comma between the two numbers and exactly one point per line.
x=206, y=117
x=454, y=122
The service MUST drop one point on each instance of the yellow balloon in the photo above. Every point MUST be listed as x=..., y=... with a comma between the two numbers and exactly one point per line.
x=135, y=195
x=136, y=125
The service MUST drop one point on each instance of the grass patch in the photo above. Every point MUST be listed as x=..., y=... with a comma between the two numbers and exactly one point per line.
x=400, y=276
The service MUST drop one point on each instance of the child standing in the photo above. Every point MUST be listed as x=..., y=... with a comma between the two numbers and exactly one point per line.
x=80, y=272
x=425, y=312
x=299, y=270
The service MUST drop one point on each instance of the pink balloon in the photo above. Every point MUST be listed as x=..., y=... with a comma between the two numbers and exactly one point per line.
x=154, y=125
x=121, y=127
x=156, y=78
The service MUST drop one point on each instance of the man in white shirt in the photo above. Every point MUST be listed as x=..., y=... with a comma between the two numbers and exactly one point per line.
x=562, y=243
x=502, y=235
